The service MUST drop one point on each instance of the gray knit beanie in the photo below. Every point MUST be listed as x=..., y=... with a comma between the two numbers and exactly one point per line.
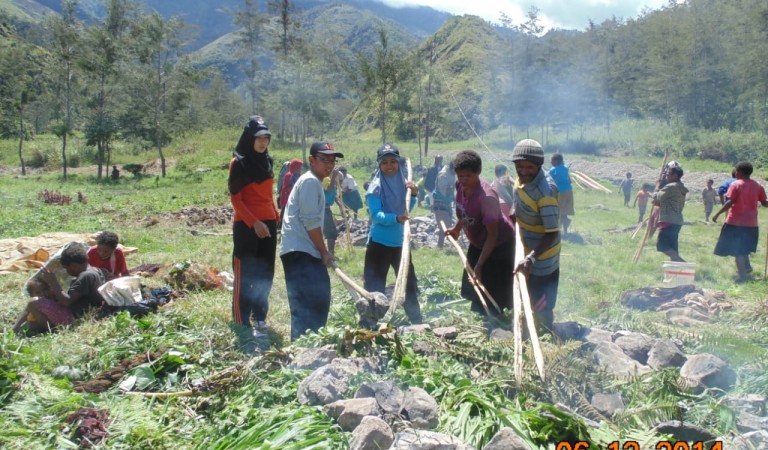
x=528, y=150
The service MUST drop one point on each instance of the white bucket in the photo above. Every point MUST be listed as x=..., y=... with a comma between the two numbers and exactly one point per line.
x=678, y=273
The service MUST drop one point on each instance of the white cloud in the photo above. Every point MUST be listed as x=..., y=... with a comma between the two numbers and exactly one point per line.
x=570, y=14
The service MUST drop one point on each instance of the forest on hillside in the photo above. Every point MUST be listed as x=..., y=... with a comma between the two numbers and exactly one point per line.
x=129, y=75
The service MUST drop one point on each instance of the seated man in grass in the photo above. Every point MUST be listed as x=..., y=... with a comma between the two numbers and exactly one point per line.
x=52, y=306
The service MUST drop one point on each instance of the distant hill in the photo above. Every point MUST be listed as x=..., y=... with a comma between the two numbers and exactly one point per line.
x=213, y=19
x=24, y=11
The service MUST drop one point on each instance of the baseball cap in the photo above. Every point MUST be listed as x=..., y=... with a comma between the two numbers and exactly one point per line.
x=325, y=148
x=258, y=126
x=386, y=150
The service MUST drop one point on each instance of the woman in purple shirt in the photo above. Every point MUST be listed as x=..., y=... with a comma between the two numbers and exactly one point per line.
x=490, y=233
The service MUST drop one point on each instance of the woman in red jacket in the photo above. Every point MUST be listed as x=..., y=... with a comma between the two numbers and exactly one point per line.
x=254, y=226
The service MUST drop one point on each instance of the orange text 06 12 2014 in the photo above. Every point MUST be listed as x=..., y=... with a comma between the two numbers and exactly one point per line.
x=634, y=445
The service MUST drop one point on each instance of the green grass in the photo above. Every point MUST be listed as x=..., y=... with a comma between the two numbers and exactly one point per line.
x=260, y=404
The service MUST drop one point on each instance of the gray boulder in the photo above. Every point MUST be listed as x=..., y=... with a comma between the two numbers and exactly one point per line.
x=420, y=409
x=597, y=336
x=636, y=346
x=349, y=413
x=746, y=422
x=682, y=431
x=388, y=396
x=313, y=358
x=500, y=334
x=410, y=439
x=611, y=358
x=372, y=434
x=608, y=404
x=446, y=332
x=665, y=353
x=331, y=382
x=506, y=439
x=705, y=370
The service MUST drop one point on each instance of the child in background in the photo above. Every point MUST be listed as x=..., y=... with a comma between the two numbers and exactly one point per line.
x=641, y=200
x=108, y=256
x=562, y=176
x=42, y=311
x=626, y=187
x=708, y=195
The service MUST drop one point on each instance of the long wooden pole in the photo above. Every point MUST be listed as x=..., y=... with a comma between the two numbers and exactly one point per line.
x=765, y=272
x=405, y=255
x=480, y=290
x=522, y=285
x=647, y=233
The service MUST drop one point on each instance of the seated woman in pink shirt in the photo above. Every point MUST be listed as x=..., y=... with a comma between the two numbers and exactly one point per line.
x=108, y=256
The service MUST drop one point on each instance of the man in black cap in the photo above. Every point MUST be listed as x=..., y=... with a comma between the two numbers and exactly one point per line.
x=536, y=214
x=302, y=248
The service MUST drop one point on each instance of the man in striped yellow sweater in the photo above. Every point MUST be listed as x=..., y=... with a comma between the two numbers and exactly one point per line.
x=536, y=213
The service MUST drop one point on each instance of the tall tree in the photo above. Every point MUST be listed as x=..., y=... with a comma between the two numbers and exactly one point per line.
x=284, y=10
x=250, y=46
x=66, y=31
x=104, y=50
x=380, y=76
x=159, y=84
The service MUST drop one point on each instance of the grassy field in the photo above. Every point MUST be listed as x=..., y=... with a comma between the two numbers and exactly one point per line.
x=256, y=407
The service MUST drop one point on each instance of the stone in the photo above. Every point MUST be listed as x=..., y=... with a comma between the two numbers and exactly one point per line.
x=411, y=439
x=683, y=431
x=506, y=439
x=612, y=359
x=597, y=336
x=449, y=333
x=705, y=370
x=568, y=330
x=746, y=422
x=500, y=334
x=331, y=382
x=420, y=409
x=608, y=404
x=388, y=396
x=636, y=346
x=349, y=413
x=313, y=358
x=665, y=353
x=372, y=434
x=421, y=328
x=686, y=316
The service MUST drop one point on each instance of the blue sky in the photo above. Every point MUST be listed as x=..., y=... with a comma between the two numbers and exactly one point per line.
x=569, y=14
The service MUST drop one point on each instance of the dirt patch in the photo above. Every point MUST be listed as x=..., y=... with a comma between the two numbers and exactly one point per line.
x=90, y=426
x=194, y=216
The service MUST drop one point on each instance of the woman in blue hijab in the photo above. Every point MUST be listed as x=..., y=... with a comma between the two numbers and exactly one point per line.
x=386, y=203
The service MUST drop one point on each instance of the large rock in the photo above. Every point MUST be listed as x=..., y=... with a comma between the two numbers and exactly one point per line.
x=420, y=409
x=705, y=370
x=506, y=439
x=331, y=383
x=746, y=422
x=427, y=440
x=597, y=336
x=349, y=413
x=636, y=346
x=665, y=353
x=608, y=404
x=754, y=440
x=388, y=396
x=611, y=358
x=568, y=330
x=372, y=434
x=313, y=358
x=684, y=431
x=500, y=334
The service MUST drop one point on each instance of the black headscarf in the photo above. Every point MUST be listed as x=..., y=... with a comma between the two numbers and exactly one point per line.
x=250, y=166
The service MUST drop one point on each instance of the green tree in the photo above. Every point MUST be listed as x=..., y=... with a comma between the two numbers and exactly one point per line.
x=66, y=32
x=379, y=77
x=250, y=47
x=159, y=83
x=104, y=51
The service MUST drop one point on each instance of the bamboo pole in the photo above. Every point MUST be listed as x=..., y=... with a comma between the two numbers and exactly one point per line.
x=478, y=286
x=517, y=332
x=639, y=227
x=405, y=255
x=522, y=286
x=647, y=233
x=350, y=283
x=590, y=181
x=765, y=271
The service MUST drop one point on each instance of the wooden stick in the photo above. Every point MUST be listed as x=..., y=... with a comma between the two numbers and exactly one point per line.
x=639, y=227
x=639, y=250
x=517, y=331
x=350, y=284
x=590, y=181
x=522, y=285
x=405, y=255
x=765, y=272
x=480, y=290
